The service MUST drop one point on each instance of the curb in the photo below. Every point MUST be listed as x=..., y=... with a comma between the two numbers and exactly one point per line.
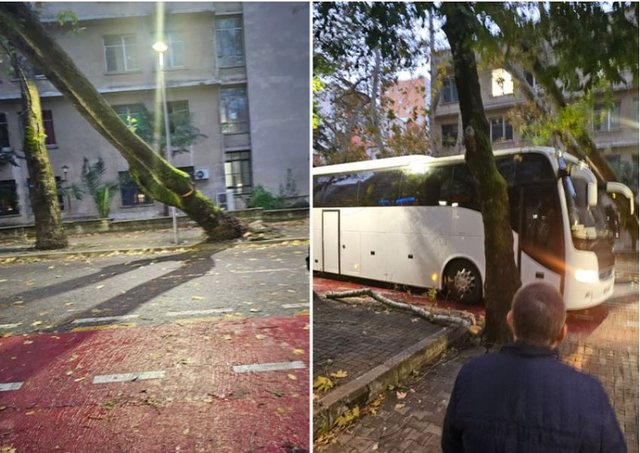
x=364, y=389
x=151, y=249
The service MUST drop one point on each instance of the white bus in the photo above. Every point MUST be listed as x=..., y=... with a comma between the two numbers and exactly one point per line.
x=415, y=220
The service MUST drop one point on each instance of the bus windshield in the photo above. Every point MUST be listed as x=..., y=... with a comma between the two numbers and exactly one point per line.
x=588, y=223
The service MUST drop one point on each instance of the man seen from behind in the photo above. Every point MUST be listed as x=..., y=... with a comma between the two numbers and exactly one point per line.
x=523, y=399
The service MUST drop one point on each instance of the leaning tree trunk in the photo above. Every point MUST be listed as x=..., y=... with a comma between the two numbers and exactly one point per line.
x=50, y=233
x=502, y=278
x=155, y=176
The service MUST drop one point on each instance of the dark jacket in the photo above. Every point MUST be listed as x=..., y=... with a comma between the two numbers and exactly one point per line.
x=523, y=399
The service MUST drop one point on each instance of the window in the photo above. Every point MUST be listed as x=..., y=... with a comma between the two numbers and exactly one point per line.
x=501, y=83
x=130, y=192
x=130, y=114
x=234, y=112
x=121, y=53
x=178, y=114
x=4, y=131
x=449, y=135
x=229, y=41
x=501, y=130
x=237, y=171
x=175, y=50
x=606, y=118
x=189, y=170
x=449, y=91
x=47, y=119
x=8, y=198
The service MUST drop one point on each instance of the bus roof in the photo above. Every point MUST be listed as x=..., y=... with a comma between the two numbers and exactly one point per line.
x=408, y=161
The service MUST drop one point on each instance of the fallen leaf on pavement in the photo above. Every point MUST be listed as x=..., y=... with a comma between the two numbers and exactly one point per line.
x=99, y=286
x=292, y=377
x=339, y=374
x=401, y=395
x=323, y=384
x=27, y=342
x=227, y=337
x=197, y=297
x=260, y=336
x=36, y=323
x=398, y=406
x=298, y=351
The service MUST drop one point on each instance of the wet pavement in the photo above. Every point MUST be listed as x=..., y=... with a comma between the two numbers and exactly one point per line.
x=602, y=341
x=146, y=348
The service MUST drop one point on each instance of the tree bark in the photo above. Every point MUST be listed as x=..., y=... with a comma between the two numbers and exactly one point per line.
x=150, y=171
x=49, y=230
x=502, y=278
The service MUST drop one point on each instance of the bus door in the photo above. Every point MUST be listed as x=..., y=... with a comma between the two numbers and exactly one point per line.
x=541, y=245
x=331, y=241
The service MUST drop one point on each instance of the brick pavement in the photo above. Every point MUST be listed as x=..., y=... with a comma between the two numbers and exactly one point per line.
x=357, y=338
x=603, y=341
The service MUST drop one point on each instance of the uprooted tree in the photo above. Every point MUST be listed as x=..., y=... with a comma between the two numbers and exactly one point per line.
x=153, y=174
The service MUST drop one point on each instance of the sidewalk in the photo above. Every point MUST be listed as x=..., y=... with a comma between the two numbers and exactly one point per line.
x=146, y=240
x=603, y=341
x=365, y=348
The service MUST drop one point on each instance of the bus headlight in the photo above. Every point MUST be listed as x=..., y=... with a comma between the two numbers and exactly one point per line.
x=586, y=276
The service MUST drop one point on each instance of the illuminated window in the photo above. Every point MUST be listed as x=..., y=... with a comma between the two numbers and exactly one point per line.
x=501, y=83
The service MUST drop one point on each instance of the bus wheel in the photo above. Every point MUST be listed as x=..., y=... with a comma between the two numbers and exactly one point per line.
x=462, y=282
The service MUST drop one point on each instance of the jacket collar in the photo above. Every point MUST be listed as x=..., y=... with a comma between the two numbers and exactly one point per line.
x=527, y=350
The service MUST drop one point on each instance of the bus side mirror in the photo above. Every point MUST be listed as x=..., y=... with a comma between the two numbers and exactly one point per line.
x=617, y=187
x=592, y=194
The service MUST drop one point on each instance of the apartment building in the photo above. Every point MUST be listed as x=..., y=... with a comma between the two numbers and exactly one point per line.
x=615, y=125
x=239, y=71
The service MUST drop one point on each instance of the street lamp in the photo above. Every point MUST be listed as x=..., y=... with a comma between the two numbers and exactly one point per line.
x=65, y=171
x=160, y=47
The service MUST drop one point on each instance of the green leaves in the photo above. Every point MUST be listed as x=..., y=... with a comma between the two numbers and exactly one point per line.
x=102, y=193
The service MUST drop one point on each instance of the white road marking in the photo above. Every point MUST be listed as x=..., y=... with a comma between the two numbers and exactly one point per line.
x=128, y=377
x=258, y=271
x=199, y=312
x=10, y=386
x=295, y=306
x=258, y=367
x=10, y=326
x=103, y=318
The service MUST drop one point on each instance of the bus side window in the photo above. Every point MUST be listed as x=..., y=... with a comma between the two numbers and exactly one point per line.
x=461, y=189
x=380, y=189
x=319, y=185
x=341, y=190
x=410, y=189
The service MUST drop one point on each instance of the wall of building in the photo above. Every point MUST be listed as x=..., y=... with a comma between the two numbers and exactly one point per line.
x=277, y=47
x=278, y=95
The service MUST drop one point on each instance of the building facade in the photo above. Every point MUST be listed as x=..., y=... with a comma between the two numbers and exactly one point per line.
x=615, y=124
x=244, y=87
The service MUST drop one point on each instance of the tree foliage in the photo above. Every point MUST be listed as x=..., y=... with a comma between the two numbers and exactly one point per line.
x=101, y=192
x=358, y=50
